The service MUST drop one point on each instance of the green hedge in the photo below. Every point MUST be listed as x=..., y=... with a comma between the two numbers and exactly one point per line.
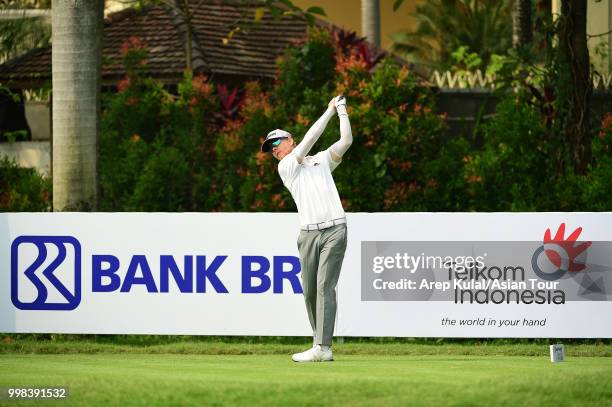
x=401, y=159
x=23, y=189
x=198, y=149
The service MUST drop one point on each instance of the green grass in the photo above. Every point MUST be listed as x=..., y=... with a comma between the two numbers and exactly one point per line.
x=135, y=344
x=357, y=380
x=148, y=370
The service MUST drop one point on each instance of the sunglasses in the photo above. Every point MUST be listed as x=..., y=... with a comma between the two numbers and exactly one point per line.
x=276, y=142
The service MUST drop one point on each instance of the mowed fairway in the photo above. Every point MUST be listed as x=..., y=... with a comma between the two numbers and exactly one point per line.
x=356, y=380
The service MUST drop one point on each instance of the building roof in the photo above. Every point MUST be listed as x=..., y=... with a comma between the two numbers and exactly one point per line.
x=249, y=55
x=162, y=29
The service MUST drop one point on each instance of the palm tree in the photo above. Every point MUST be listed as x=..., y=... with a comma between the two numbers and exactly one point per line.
x=370, y=20
x=76, y=74
x=522, y=31
x=445, y=25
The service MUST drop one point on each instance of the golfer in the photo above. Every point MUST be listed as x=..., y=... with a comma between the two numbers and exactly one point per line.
x=322, y=240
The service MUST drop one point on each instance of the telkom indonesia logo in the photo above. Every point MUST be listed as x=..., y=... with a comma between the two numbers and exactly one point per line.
x=562, y=255
x=46, y=273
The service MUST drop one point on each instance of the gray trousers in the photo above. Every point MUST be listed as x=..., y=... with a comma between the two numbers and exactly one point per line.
x=321, y=255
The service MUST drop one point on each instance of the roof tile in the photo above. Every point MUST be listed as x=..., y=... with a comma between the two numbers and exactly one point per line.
x=251, y=55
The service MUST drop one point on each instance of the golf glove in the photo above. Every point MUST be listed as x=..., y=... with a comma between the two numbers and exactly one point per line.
x=340, y=103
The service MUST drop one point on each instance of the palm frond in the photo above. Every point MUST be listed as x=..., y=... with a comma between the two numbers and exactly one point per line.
x=484, y=26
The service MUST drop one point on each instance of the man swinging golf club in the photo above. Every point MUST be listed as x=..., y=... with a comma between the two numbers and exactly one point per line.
x=322, y=239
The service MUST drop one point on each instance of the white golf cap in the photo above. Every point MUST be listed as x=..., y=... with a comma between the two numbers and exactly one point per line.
x=273, y=135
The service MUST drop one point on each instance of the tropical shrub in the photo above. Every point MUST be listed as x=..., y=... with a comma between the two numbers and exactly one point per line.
x=23, y=189
x=520, y=166
x=198, y=149
x=157, y=149
x=597, y=185
x=400, y=158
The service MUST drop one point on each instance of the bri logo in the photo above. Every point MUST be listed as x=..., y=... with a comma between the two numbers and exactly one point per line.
x=46, y=273
x=58, y=285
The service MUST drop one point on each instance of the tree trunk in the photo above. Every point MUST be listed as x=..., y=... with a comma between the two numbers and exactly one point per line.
x=575, y=54
x=370, y=20
x=543, y=23
x=76, y=76
x=522, y=32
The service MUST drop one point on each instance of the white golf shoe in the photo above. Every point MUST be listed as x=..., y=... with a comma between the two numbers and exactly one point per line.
x=314, y=354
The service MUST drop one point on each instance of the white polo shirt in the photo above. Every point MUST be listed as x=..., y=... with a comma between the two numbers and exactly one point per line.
x=312, y=187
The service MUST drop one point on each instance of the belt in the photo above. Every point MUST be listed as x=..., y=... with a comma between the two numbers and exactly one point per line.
x=324, y=225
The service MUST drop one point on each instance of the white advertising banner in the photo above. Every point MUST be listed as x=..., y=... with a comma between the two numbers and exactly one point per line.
x=404, y=274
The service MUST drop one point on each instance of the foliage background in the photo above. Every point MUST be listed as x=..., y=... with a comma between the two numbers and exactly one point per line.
x=197, y=148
